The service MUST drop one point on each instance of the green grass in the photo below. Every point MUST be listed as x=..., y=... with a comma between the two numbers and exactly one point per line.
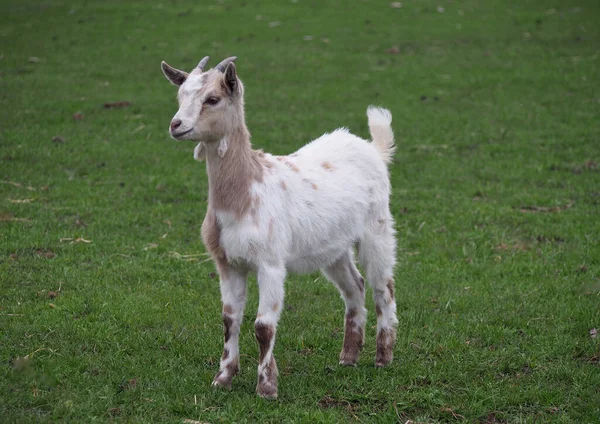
x=496, y=195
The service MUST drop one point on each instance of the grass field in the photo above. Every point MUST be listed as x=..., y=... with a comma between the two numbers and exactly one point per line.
x=109, y=310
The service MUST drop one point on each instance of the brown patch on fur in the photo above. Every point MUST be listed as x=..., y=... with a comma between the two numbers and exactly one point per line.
x=360, y=282
x=275, y=307
x=267, y=382
x=264, y=334
x=386, y=338
x=227, y=309
x=230, y=177
x=291, y=166
x=390, y=287
x=351, y=314
x=378, y=310
x=225, y=354
x=353, y=340
x=211, y=235
x=327, y=166
x=283, y=185
x=314, y=186
x=227, y=321
x=233, y=367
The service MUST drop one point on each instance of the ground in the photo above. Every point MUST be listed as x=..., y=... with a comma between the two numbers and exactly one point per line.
x=109, y=307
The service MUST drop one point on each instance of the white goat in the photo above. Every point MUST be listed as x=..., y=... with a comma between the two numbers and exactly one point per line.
x=299, y=213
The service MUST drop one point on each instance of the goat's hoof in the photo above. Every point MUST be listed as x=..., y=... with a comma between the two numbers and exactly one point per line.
x=267, y=393
x=348, y=359
x=266, y=389
x=222, y=380
x=384, y=361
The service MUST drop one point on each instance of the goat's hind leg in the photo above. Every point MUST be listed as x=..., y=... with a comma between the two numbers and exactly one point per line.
x=377, y=255
x=345, y=276
x=233, y=294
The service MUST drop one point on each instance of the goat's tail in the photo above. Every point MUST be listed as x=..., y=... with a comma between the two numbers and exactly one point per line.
x=380, y=121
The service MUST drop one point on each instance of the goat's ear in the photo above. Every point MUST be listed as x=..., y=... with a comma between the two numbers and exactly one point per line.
x=230, y=79
x=174, y=75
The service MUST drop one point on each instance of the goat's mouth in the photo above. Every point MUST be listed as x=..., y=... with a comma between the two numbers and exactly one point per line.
x=178, y=135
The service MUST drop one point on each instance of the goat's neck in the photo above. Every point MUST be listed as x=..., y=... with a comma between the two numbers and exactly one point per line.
x=232, y=166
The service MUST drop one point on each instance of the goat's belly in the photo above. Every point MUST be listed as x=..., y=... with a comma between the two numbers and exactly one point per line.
x=313, y=262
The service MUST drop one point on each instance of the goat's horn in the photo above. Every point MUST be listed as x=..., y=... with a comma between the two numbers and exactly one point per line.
x=203, y=63
x=221, y=66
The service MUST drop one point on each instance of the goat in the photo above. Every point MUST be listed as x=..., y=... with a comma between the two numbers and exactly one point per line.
x=298, y=213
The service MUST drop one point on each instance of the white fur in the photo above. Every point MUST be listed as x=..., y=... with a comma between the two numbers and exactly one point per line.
x=311, y=227
x=307, y=211
x=310, y=209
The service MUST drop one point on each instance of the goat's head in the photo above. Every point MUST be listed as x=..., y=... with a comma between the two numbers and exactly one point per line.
x=210, y=102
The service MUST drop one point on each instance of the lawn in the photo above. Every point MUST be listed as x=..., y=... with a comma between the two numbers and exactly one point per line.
x=109, y=308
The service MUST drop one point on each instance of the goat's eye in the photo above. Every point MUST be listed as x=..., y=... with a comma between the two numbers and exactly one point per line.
x=212, y=100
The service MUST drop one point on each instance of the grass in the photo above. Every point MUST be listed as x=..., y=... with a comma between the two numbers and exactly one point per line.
x=496, y=196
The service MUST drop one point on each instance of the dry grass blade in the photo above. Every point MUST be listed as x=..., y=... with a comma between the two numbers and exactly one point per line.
x=77, y=240
x=191, y=257
x=17, y=185
x=28, y=200
x=10, y=218
x=536, y=209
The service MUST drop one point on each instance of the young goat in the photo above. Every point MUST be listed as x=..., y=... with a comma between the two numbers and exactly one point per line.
x=299, y=213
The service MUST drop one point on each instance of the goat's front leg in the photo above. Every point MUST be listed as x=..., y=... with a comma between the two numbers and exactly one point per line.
x=271, y=293
x=233, y=294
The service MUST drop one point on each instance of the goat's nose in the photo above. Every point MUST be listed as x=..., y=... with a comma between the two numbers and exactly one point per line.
x=175, y=123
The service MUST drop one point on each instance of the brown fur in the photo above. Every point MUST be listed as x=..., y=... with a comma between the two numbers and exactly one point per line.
x=227, y=321
x=233, y=367
x=230, y=177
x=353, y=340
x=227, y=309
x=390, y=287
x=386, y=339
x=283, y=185
x=264, y=335
x=313, y=185
x=360, y=282
x=211, y=235
x=267, y=382
x=327, y=166
x=291, y=165
x=225, y=354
